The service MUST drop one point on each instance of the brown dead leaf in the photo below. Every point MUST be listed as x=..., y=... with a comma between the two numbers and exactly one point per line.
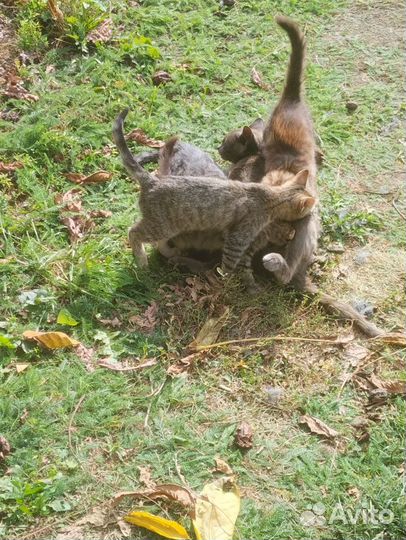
x=257, y=80
x=113, y=323
x=5, y=448
x=318, y=427
x=21, y=367
x=161, y=77
x=223, y=467
x=17, y=91
x=10, y=167
x=95, y=178
x=182, y=365
x=392, y=387
x=140, y=137
x=354, y=492
x=125, y=528
x=244, y=436
x=77, y=226
x=96, y=518
x=354, y=353
x=71, y=200
x=392, y=338
x=210, y=331
x=145, y=477
x=100, y=214
x=24, y=416
x=86, y=356
x=147, y=321
x=103, y=33
x=116, y=366
x=171, y=492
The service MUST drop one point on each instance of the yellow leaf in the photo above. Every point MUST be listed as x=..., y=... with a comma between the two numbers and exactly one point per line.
x=217, y=509
x=51, y=340
x=159, y=525
x=209, y=332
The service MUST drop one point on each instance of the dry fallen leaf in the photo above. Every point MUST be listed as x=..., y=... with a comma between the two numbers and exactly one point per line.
x=210, y=331
x=392, y=338
x=10, y=167
x=158, y=525
x=96, y=518
x=145, y=477
x=257, y=80
x=51, y=340
x=103, y=33
x=171, y=492
x=100, y=214
x=355, y=353
x=354, y=492
x=86, y=356
x=95, y=178
x=71, y=200
x=5, y=448
x=77, y=226
x=140, y=137
x=24, y=416
x=318, y=427
x=147, y=321
x=17, y=91
x=116, y=366
x=21, y=367
x=223, y=467
x=161, y=77
x=113, y=323
x=392, y=387
x=244, y=436
x=182, y=365
x=217, y=509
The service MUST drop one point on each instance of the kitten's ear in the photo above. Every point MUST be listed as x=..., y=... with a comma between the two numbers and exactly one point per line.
x=258, y=124
x=247, y=136
x=301, y=178
x=306, y=204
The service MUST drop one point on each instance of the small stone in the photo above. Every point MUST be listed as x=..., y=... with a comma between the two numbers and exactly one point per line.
x=364, y=307
x=336, y=248
x=351, y=106
x=362, y=256
x=274, y=394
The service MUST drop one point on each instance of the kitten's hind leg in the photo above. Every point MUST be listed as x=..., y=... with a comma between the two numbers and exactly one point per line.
x=274, y=262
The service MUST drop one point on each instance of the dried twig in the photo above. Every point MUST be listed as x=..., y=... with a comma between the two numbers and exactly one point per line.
x=75, y=410
x=401, y=214
x=268, y=338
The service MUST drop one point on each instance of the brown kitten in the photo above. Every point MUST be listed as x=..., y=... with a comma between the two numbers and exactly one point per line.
x=185, y=203
x=289, y=147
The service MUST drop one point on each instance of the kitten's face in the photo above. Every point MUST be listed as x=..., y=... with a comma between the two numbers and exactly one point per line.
x=299, y=202
x=242, y=142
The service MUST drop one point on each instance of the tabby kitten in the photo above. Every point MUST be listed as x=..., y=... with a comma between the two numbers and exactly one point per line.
x=185, y=203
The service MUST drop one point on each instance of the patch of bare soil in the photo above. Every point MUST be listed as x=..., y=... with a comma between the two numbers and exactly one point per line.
x=8, y=49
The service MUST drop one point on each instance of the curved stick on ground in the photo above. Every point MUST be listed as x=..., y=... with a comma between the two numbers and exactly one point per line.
x=342, y=310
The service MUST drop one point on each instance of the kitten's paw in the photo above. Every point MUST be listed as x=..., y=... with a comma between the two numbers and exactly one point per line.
x=273, y=262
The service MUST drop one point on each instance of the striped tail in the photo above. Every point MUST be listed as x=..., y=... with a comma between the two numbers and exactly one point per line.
x=130, y=163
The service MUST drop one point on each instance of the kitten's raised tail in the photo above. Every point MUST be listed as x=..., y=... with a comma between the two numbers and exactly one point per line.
x=293, y=85
x=130, y=163
x=342, y=310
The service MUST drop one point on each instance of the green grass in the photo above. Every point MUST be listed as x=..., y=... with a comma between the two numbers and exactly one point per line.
x=47, y=482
